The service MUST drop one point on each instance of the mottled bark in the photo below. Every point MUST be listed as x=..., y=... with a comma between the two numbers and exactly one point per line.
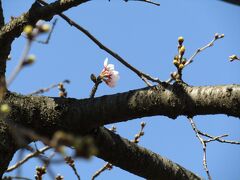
x=138, y=160
x=47, y=115
x=7, y=146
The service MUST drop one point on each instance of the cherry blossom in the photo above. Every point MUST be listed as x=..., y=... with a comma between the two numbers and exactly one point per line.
x=109, y=75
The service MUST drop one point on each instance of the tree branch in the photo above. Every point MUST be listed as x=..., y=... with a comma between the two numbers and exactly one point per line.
x=1, y=15
x=46, y=115
x=8, y=33
x=14, y=28
x=236, y=2
x=143, y=76
x=2, y=61
x=7, y=147
x=140, y=161
x=29, y=156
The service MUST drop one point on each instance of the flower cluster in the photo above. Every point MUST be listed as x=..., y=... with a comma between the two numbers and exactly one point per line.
x=109, y=75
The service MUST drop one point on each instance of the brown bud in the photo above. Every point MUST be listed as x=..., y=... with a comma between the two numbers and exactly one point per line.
x=93, y=78
x=143, y=124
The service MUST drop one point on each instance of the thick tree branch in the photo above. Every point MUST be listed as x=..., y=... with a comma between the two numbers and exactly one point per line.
x=2, y=62
x=236, y=2
x=140, y=161
x=14, y=28
x=1, y=15
x=7, y=147
x=8, y=33
x=46, y=115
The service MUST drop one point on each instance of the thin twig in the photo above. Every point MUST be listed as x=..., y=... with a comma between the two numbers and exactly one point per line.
x=49, y=34
x=218, y=138
x=31, y=34
x=47, y=163
x=140, y=134
x=43, y=90
x=107, y=166
x=143, y=76
x=46, y=41
x=181, y=63
x=29, y=156
x=211, y=43
x=145, y=1
x=70, y=162
x=94, y=89
x=15, y=177
x=20, y=156
x=204, y=146
x=204, y=142
x=19, y=67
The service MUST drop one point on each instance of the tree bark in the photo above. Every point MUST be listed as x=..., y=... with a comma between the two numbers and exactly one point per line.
x=138, y=160
x=1, y=15
x=236, y=2
x=46, y=115
x=7, y=147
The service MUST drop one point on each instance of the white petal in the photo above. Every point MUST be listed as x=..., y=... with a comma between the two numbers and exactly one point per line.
x=113, y=80
x=105, y=62
x=110, y=67
x=115, y=75
x=111, y=84
x=115, y=72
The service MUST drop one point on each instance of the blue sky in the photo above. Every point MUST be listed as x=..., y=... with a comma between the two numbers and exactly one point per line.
x=146, y=36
